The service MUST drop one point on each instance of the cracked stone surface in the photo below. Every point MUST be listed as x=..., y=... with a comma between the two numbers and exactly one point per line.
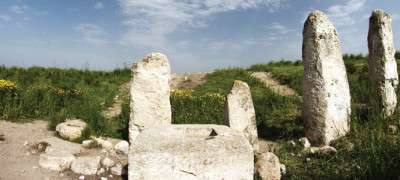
x=191, y=152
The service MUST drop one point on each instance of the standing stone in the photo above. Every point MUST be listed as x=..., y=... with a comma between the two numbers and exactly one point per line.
x=240, y=114
x=149, y=94
x=382, y=67
x=326, y=94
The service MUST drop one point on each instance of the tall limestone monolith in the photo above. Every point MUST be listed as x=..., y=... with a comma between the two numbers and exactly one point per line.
x=382, y=67
x=325, y=89
x=240, y=114
x=149, y=93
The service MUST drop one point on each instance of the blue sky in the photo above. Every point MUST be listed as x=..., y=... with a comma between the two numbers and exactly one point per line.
x=196, y=35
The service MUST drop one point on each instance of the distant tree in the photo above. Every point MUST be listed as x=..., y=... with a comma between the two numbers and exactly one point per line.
x=397, y=55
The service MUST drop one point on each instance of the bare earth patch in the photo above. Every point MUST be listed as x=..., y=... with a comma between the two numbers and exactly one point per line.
x=275, y=85
x=187, y=81
x=19, y=156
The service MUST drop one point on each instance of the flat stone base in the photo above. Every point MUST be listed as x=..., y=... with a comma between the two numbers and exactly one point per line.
x=190, y=152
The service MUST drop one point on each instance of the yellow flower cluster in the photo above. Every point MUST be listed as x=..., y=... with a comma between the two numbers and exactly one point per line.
x=8, y=85
x=189, y=95
x=183, y=94
x=59, y=91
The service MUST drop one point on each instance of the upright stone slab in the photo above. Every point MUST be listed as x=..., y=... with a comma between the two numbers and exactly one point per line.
x=240, y=114
x=149, y=90
x=191, y=152
x=326, y=94
x=382, y=67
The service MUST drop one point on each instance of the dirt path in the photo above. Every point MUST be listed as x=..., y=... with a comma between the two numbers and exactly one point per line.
x=178, y=81
x=18, y=160
x=19, y=156
x=271, y=82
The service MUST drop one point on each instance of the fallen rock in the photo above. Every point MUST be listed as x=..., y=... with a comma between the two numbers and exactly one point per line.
x=71, y=129
x=107, y=145
x=268, y=166
x=81, y=177
x=190, y=151
x=326, y=93
x=304, y=142
x=86, y=165
x=100, y=171
x=266, y=146
x=291, y=143
x=327, y=150
x=283, y=168
x=118, y=170
x=107, y=162
x=87, y=143
x=150, y=104
x=240, y=114
x=392, y=129
x=57, y=143
x=57, y=160
x=122, y=147
x=382, y=66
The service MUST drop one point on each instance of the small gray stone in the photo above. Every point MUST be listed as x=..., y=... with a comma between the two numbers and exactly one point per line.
x=122, y=147
x=327, y=150
x=71, y=129
x=57, y=160
x=107, y=162
x=283, y=168
x=86, y=165
x=392, y=129
x=81, y=177
x=118, y=170
x=87, y=143
x=304, y=142
x=291, y=143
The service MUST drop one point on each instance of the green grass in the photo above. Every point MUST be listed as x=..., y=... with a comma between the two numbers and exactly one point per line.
x=41, y=93
x=56, y=94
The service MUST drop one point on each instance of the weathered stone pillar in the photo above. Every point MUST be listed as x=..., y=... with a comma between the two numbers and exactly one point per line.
x=382, y=67
x=149, y=90
x=240, y=114
x=326, y=94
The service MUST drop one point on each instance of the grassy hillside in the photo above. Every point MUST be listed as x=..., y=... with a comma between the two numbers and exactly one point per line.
x=369, y=151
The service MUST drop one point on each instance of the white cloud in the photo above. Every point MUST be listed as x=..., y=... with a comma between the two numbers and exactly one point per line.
x=98, y=5
x=91, y=33
x=278, y=28
x=18, y=9
x=340, y=14
x=150, y=22
x=5, y=18
x=19, y=25
x=40, y=13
